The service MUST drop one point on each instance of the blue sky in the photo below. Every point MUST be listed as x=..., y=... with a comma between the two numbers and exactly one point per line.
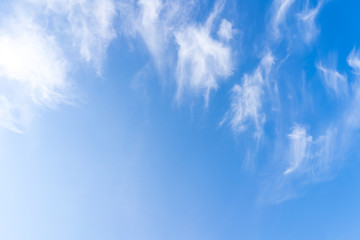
x=155, y=119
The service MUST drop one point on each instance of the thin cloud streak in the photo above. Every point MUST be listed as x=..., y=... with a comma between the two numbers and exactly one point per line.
x=280, y=11
x=299, y=148
x=225, y=30
x=307, y=24
x=310, y=160
x=88, y=25
x=155, y=21
x=354, y=60
x=247, y=98
x=37, y=43
x=333, y=80
x=33, y=71
x=202, y=60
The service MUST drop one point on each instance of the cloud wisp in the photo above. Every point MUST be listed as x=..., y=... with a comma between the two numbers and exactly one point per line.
x=154, y=21
x=247, y=98
x=299, y=149
x=280, y=12
x=310, y=160
x=354, y=61
x=35, y=56
x=87, y=25
x=33, y=71
x=303, y=160
x=307, y=24
x=202, y=60
x=289, y=22
x=309, y=157
x=333, y=80
x=226, y=31
x=171, y=35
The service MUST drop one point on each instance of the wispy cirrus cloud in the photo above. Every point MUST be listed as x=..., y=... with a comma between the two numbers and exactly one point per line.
x=155, y=22
x=225, y=30
x=247, y=98
x=37, y=41
x=352, y=116
x=290, y=22
x=33, y=71
x=309, y=157
x=304, y=159
x=299, y=151
x=311, y=160
x=86, y=24
x=280, y=9
x=333, y=80
x=202, y=60
x=307, y=24
x=354, y=60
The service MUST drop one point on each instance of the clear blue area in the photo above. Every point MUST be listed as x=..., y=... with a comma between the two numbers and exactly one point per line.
x=129, y=162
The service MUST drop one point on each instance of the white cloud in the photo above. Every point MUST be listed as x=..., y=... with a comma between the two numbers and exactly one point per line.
x=333, y=80
x=326, y=151
x=92, y=27
x=155, y=22
x=299, y=148
x=202, y=60
x=283, y=21
x=87, y=23
x=33, y=71
x=307, y=160
x=152, y=29
x=37, y=41
x=354, y=60
x=352, y=116
x=225, y=30
x=307, y=25
x=247, y=97
x=280, y=8
x=311, y=158
x=310, y=161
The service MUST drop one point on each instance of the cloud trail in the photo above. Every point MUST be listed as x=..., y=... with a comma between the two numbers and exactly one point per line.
x=280, y=11
x=333, y=80
x=202, y=60
x=247, y=98
x=37, y=41
x=307, y=25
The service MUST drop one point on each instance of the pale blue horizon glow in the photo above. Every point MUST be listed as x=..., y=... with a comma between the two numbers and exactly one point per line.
x=157, y=119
